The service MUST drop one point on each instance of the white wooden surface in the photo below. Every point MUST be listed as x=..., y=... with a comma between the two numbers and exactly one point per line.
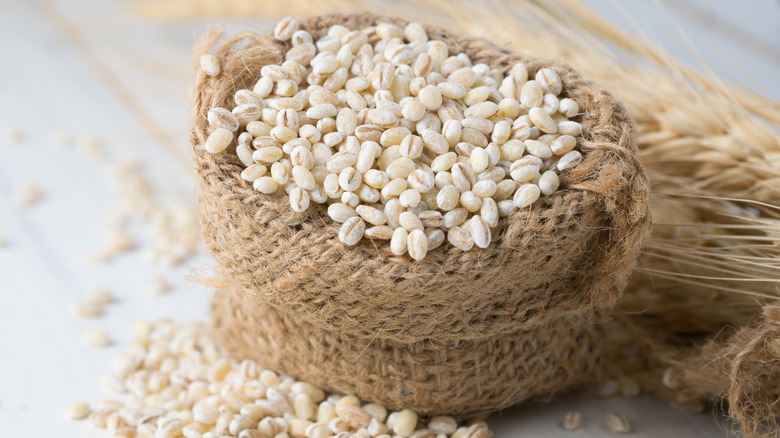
x=88, y=67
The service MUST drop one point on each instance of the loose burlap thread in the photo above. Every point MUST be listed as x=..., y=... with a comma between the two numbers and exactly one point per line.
x=567, y=258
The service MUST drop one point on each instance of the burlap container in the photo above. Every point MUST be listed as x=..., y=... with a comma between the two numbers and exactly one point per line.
x=550, y=270
x=432, y=377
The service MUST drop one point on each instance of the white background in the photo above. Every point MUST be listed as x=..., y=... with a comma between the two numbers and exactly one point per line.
x=89, y=67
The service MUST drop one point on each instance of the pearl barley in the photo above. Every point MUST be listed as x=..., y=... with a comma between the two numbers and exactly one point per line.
x=170, y=394
x=78, y=410
x=399, y=138
x=209, y=64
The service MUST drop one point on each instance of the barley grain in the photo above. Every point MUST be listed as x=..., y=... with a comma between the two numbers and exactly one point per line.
x=417, y=244
x=435, y=238
x=542, y=120
x=569, y=127
x=568, y=107
x=549, y=80
x=569, y=160
x=572, y=421
x=350, y=199
x=285, y=29
x=299, y=199
x=548, y=183
x=405, y=423
x=399, y=241
x=266, y=185
x=352, y=230
x=97, y=338
x=78, y=410
x=100, y=297
x=460, y=238
x=669, y=378
x=617, y=423
x=526, y=195
x=380, y=232
x=371, y=215
x=222, y=118
x=531, y=95
x=218, y=140
x=410, y=221
x=209, y=64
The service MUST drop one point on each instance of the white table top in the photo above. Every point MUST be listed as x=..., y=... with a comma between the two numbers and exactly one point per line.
x=88, y=67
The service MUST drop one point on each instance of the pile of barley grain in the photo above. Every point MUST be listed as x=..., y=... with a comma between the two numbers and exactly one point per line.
x=403, y=140
x=182, y=384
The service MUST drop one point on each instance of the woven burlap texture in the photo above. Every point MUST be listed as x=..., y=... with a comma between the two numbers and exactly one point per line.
x=432, y=377
x=568, y=255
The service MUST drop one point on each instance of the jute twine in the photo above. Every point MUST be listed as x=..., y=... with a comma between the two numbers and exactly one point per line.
x=566, y=258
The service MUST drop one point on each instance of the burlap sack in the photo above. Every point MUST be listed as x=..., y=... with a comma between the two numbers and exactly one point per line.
x=432, y=377
x=571, y=253
x=567, y=258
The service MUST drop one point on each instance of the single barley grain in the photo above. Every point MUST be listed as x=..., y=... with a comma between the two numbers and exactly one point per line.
x=417, y=244
x=569, y=160
x=88, y=309
x=285, y=29
x=209, y=64
x=78, y=410
x=399, y=241
x=568, y=108
x=572, y=421
x=405, y=423
x=222, y=118
x=548, y=183
x=617, y=423
x=549, y=80
x=97, y=338
x=670, y=379
x=352, y=230
x=218, y=140
x=100, y=297
x=526, y=195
